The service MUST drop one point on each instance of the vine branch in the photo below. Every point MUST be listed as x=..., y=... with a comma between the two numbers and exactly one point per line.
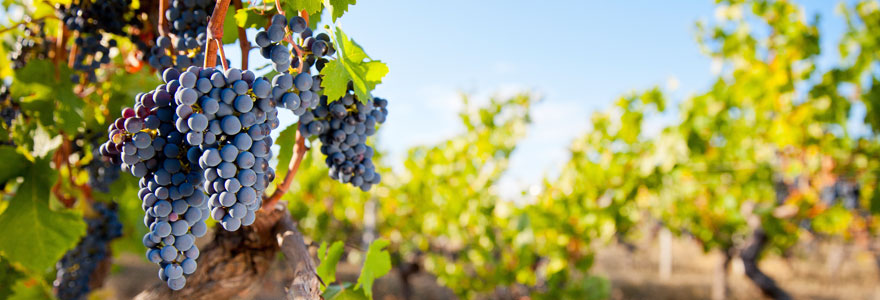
x=242, y=40
x=163, y=22
x=215, y=33
x=13, y=26
x=299, y=151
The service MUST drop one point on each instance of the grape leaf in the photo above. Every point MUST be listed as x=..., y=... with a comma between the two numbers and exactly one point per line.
x=286, y=140
x=41, y=236
x=249, y=18
x=339, y=7
x=49, y=98
x=377, y=264
x=329, y=258
x=353, y=65
x=14, y=163
x=342, y=292
x=314, y=19
x=8, y=277
x=30, y=289
x=310, y=6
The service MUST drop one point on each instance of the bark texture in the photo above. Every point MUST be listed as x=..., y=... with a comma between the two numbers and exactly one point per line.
x=750, y=256
x=233, y=262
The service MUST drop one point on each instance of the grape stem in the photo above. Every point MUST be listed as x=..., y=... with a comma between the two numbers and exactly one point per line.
x=73, y=50
x=299, y=151
x=60, y=159
x=163, y=22
x=215, y=33
x=223, y=62
x=13, y=26
x=59, y=45
x=242, y=40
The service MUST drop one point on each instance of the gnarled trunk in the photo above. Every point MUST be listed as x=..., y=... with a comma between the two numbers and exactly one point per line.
x=749, y=257
x=233, y=262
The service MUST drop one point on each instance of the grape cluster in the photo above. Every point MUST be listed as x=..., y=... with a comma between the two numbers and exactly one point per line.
x=343, y=127
x=238, y=116
x=96, y=16
x=76, y=268
x=91, y=55
x=202, y=131
x=92, y=22
x=297, y=92
x=102, y=173
x=8, y=108
x=31, y=44
x=189, y=24
x=272, y=48
x=147, y=142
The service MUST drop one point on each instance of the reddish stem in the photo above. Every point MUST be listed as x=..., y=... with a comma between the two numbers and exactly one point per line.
x=215, y=32
x=299, y=151
x=163, y=23
x=222, y=54
x=242, y=40
x=59, y=43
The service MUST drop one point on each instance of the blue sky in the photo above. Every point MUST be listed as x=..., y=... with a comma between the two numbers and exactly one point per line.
x=577, y=55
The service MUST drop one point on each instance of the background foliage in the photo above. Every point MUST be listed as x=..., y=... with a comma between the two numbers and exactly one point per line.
x=765, y=147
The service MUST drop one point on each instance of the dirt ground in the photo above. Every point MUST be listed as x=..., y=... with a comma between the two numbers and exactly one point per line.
x=818, y=271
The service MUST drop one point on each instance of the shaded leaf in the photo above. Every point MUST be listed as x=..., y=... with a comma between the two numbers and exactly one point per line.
x=42, y=235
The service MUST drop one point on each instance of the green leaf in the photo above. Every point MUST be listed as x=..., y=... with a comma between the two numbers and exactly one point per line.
x=339, y=7
x=14, y=163
x=329, y=260
x=48, y=97
x=286, y=140
x=230, y=29
x=377, y=264
x=342, y=292
x=249, y=18
x=310, y=6
x=41, y=236
x=314, y=19
x=352, y=65
x=31, y=289
x=8, y=277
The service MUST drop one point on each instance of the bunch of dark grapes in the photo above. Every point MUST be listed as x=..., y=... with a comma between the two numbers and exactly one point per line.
x=188, y=20
x=297, y=92
x=271, y=46
x=102, y=172
x=77, y=267
x=343, y=127
x=31, y=44
x=92, y=22
x=147, y=142
x=96, y=16
x=231, y=118
x=9, y=109
x=90, y=56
